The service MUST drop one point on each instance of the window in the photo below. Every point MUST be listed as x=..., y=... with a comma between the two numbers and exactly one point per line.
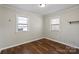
x=22, y=24
x=55, y=24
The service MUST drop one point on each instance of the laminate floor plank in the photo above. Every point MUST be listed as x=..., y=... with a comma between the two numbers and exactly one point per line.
x=42, y=46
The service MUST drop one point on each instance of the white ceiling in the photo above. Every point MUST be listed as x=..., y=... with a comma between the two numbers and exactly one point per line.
x=50, y=8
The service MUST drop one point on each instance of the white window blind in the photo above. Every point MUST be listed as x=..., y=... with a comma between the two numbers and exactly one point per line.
x=55, y=24
x=22, y=24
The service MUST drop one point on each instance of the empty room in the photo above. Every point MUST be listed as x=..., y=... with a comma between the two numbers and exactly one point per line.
x=39, y=29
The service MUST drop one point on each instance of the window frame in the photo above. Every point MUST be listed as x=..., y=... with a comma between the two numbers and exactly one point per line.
x=55, y=24
x=21, y=24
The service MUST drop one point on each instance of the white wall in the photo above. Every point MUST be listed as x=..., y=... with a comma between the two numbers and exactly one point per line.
x=69, y=33
x=8, y=34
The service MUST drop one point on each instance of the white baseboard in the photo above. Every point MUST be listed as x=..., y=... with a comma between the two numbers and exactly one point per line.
x=19, y=44
x=63, y=43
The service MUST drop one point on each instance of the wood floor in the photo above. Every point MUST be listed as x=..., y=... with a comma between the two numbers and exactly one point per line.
x=42, y=46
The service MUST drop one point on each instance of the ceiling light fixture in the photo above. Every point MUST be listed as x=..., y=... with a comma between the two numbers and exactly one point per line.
x=42, y=5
